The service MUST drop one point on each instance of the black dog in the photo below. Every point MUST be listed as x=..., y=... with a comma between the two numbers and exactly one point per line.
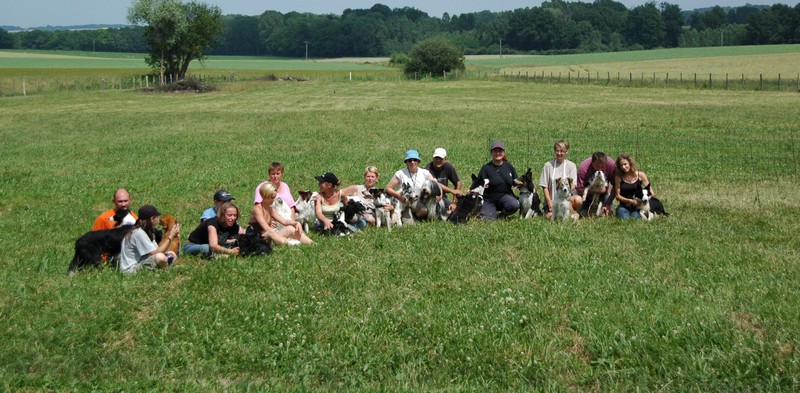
x=656, y=206
x=90, y=248
x=470, y=204
x=346, y=215
x=252, y=243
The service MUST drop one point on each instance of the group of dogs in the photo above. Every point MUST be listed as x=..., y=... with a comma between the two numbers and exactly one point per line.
x=97, y=248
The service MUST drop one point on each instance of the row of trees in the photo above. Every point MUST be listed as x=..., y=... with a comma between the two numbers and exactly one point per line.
x=556, y=26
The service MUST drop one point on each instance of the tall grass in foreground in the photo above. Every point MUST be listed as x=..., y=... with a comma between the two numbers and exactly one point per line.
x=704, y=300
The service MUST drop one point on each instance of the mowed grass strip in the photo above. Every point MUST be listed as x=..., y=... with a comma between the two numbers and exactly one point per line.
x=703, y=300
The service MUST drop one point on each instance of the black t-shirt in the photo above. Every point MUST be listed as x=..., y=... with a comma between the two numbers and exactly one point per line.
x=200, y=234
x=501, y=180
x=444, y=174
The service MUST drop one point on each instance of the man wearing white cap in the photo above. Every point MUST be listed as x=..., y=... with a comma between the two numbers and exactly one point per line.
x=445, y=173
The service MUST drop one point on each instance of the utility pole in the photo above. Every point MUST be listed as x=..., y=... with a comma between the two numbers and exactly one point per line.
x=306, y=50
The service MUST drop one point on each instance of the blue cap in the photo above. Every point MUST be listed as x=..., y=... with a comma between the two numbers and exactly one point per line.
x=412, y=155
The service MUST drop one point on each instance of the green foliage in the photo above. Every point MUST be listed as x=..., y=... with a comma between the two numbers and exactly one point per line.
x=6, y=40
x=434, y=57
x=398, y=59
x=177, y=33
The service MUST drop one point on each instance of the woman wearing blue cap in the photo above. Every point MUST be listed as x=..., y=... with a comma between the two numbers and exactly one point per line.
x=412, y=174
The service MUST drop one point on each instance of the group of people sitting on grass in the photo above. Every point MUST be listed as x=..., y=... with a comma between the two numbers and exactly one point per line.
x=277, y=218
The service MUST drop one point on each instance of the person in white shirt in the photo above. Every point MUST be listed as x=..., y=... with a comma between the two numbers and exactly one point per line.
x=139, y=248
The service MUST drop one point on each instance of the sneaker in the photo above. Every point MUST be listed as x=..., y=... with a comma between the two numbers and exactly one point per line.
x=292, y=242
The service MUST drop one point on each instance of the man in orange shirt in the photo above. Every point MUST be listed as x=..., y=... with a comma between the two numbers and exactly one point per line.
x=122, y=200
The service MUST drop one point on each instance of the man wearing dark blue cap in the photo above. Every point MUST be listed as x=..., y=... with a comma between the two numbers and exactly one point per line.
x=220, y=197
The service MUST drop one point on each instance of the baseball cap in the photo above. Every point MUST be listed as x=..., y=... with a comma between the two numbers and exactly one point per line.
x=223, y=196
x=498, y=145
x=412, y=155
x=439, y=152
x=147, y=212
x=328, y=177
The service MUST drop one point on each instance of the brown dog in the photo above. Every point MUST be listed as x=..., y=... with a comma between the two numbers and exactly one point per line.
x=167, y=222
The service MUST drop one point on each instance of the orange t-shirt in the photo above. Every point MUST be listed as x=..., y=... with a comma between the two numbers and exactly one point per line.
x=106, y=220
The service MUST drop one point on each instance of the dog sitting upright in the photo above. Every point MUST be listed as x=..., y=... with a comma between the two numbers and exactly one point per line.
x=433, y=209
x=168, y=221
x=598, y=183
x=562, y=206
x=529, y=201
x=90, y=248
x=382, y=215
x=470, y=204
x=400, y=208
x=304, y=208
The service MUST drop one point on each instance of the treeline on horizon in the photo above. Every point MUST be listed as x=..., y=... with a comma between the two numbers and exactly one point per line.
x=555, y=27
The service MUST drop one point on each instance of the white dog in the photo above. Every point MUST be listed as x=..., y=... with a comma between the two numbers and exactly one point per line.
x=407, y=191
x=282, y=209
x=598, y=183
x=382, y=215
x=562, y=206
x=304, y=208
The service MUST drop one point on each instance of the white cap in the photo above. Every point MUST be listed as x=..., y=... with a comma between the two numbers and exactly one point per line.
x=439, y=152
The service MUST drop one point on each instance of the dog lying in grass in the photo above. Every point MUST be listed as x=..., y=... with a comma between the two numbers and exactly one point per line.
x=529, y=201
x=562, y=206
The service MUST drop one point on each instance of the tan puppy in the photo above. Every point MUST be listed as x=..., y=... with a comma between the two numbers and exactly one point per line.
x=167, y=221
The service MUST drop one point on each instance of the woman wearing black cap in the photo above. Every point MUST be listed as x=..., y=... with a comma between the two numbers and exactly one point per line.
x=139, y=248
x=499, y=195
x=329, y=201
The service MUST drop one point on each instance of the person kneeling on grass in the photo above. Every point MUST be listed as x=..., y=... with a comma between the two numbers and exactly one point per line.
x=217, y=235
x=139, y=248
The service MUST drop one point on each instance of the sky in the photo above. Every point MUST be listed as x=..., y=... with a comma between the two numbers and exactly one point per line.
x=35, y=13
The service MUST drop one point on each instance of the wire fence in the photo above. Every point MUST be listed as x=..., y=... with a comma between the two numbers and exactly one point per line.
x=761, y=82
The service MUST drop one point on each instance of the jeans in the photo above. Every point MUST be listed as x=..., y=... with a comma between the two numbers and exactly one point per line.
x=628, y=213
x=196, y=249
x=507, y=204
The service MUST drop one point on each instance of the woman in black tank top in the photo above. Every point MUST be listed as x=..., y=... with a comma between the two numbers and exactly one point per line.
x=628, y=185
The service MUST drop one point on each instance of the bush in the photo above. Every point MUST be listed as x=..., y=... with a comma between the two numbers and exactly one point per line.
x=435, y=57
x=398, y=59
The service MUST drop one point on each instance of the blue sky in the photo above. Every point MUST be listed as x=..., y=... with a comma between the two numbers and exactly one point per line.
x=31, y=13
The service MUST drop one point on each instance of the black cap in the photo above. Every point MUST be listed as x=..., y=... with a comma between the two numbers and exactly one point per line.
x=223, y=196
x=147, y=212
x=328, y=177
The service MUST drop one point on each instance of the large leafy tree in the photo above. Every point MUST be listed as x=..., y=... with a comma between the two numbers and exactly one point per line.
x=645, y=26
x=177, y=33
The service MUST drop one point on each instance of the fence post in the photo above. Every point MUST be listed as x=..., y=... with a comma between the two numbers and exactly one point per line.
x=742, y=81
x=709, y=81
x=695, y=80
x=726, y=81
x=779, y=82
x=667, y=79
x=760, y=81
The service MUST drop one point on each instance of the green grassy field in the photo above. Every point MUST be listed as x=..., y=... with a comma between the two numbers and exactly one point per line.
x=705, y=300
